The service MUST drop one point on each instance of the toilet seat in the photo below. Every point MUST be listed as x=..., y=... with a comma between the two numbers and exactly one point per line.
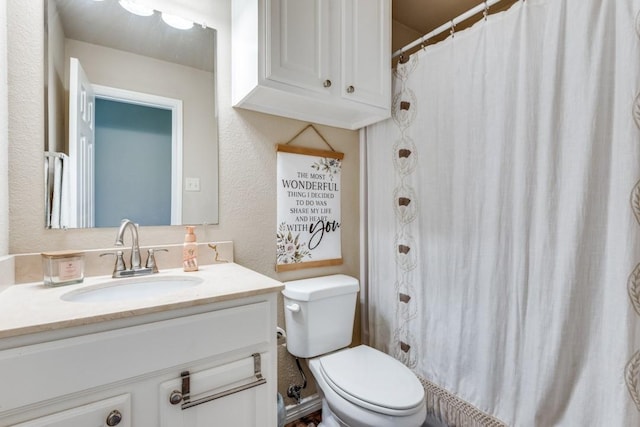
x=373, y=380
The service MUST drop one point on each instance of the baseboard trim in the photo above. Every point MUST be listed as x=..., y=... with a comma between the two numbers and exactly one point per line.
x=305, y=407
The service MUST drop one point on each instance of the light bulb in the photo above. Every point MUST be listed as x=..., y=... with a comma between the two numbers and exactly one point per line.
x=176, y=21
x=136, y=8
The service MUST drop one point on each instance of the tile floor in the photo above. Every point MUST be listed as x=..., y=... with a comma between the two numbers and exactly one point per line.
x=311, y=420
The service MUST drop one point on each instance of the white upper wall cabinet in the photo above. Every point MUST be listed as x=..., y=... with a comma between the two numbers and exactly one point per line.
x=321, y=61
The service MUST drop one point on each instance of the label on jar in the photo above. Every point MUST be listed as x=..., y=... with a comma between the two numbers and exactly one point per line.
x=70, y=269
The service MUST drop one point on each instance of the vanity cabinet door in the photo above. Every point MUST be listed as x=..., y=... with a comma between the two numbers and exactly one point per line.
x=233, y=394
x=115, y=411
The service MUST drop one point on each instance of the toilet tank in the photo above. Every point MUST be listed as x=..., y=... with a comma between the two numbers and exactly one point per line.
x=319, y=314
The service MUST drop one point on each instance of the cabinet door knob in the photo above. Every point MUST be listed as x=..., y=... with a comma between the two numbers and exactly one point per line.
x=351, y=89
x=175, y=397
x=327, y=83
x=114, y=418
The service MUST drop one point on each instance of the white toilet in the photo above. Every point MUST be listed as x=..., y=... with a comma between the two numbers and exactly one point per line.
x=360, y=386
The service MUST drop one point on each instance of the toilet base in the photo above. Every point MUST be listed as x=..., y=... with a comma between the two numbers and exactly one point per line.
x=328, y=417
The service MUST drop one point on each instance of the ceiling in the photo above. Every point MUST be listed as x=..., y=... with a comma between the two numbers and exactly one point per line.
x=415, y=18
x=423, y=16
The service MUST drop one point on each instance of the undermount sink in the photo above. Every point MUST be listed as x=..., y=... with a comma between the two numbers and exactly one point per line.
x=131, y=289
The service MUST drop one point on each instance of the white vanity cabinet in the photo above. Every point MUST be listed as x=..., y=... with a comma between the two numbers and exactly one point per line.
x=205, y=365
x=322, y=61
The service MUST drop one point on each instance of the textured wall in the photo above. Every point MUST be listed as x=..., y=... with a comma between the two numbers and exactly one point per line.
x=4, y=162
x=247, y=166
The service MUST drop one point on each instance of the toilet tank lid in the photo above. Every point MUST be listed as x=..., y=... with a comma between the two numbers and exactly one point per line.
x=320, y=287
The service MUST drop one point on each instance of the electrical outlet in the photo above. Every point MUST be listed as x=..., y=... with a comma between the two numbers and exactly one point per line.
x=191, y=184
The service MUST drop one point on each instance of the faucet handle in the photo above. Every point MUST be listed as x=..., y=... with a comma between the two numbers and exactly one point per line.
x=119, y=265
x=151, y=259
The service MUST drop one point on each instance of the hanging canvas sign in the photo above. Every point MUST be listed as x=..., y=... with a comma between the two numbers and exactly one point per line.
x=308, y=196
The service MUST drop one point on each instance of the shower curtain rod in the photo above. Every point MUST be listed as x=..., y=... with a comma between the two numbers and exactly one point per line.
x=449, y=25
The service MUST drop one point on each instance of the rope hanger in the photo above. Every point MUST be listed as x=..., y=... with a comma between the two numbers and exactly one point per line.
x=315, y=130
x=310, y=151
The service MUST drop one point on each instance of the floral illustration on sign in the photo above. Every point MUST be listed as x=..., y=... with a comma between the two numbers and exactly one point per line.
x=290, y=249
x=331, y=166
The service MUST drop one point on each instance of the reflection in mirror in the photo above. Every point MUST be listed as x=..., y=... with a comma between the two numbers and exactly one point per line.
x=131, y=118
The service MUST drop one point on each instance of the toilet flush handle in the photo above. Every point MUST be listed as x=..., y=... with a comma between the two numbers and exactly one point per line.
x=293, y=307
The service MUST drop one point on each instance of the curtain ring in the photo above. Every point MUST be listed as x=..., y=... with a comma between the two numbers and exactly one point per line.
x=452, y=33
x=423, y=44
x=486, y=10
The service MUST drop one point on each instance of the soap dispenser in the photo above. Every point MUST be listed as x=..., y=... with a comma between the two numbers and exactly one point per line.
x=190, y=251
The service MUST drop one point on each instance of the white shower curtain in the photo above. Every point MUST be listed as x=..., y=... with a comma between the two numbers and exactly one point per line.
x=504, y=217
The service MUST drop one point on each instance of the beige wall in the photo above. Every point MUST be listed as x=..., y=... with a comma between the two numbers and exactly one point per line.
x=4, y=163
x=401, y=35
x=54, y=84
x=247, y=166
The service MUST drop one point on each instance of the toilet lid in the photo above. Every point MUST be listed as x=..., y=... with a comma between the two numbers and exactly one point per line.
x=365, y=375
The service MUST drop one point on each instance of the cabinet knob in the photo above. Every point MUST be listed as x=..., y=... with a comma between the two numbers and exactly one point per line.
x=327, y=83
x=114, y=418
x=351, y=89
x=175, y=397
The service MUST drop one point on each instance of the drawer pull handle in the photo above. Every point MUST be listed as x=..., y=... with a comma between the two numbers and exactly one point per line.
x=114, y=418
x=186, y=385
x=327, y=83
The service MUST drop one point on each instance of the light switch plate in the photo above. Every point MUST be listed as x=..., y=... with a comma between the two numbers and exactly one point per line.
x=191, y=184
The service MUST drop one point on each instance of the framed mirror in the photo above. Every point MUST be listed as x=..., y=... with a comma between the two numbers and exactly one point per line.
x=131, y=120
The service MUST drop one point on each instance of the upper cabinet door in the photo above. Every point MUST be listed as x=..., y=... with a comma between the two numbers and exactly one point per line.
x=298, y=39
x=366, y=51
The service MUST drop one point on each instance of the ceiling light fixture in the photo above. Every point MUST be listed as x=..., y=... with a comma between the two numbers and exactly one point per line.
x=176, y=21
x=136, y=8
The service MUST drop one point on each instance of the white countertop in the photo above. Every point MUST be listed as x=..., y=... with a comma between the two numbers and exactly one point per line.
x=33, y=307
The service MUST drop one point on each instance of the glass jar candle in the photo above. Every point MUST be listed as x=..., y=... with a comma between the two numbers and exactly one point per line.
x=62, y=268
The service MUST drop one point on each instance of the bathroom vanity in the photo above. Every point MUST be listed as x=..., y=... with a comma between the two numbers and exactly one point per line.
x=98, y=354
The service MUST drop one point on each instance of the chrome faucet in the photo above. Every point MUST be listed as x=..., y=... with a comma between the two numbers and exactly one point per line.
x=135, y=263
